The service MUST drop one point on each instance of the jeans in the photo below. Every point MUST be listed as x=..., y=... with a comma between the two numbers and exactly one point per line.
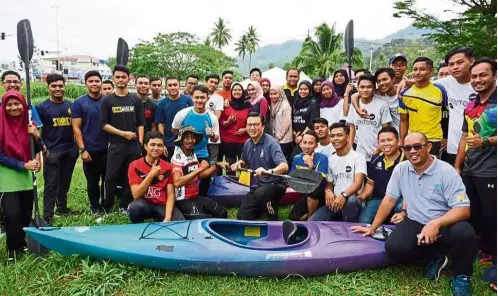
x=349, y=212
x=370, y=209
x=140, y=209
x=95, y=173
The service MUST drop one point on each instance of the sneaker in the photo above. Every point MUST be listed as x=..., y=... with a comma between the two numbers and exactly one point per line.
x=123, y=211
x=433, y=268
x=65, y=212
x=14, y=255
x=461, y=285
x=49, y=220
x=96, y=210
x=483, y=257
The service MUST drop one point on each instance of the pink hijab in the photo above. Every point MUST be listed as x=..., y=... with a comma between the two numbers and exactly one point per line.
x=259, y=93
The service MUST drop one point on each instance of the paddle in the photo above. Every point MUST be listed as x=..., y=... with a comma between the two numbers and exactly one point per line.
x=122, y=52
x=349, y=44
x=302, y=181
x=25, y=47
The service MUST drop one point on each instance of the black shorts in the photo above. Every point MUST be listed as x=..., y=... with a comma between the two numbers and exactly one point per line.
x=201, y=207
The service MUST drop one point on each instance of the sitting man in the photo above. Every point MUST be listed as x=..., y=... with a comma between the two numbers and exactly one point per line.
x=379, y=172
x=346, y=173
x=152, y=185
x=186, y=174
x=309, y=160
x=321, y=128
x=438, y=208
x=262, y=154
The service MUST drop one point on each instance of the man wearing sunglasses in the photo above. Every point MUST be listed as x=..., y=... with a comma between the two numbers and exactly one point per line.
x=437, y=209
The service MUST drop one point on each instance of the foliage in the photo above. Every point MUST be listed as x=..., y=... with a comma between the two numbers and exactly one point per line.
x=475, y=27
x=241, y=46
x=252, y=42
x=111, y=62
x=178, y=54
x=220, y=36
x=39, y=91
x=323, y=55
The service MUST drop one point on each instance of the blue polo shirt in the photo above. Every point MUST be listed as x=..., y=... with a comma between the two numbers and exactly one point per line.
x=88, y=109
x=57, y=131
x=320, y=162
x=380, y=171
x=266, y=154
x=430, y=195
x=165, y=113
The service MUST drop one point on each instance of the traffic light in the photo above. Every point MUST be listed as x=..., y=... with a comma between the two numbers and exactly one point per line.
x=3, y=36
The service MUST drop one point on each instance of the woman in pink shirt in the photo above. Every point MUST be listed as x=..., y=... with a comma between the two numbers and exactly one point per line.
x=281, y=119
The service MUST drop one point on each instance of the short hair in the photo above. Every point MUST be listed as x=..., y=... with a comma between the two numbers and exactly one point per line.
x=107, y=81
x=442, y=65
x=226, y=72
x=389, y=129
x=141, y=76
x=255, y=70
x=55, y=77
x=193, y=76
x=201, y=88
x=362, y=70
x=92, y=73
x=486, y=60
x=10, y=72
x=257, y=114
x=368, y=77
x=341, y=124
x=467, y=51
x=320, y=120
x=121, y=68
x=152, y=135
x=313, y=134
x=155, y=78
x=427, y=61
x=379, y=71
x=292, y=69
x=171, y=78
x=212, y=76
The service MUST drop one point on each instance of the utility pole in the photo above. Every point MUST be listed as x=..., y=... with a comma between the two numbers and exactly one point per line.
x=371, y=56
x=57, y=30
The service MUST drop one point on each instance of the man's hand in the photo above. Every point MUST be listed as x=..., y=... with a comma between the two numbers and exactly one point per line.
x=209, y=131
x=363, y=113
x=339, y=202
x=349, y=89
x=129, y=136
x=227, y=103
x=85, y=156
x=329, y=198
x=474, y=141
x=398, y=218
x=156, y=169
x=429, y=233
x=367, y=231
x=232, y=118
x=32, y=165
x=32, y=130
x=308, y=159
x=240, y=132
x=259, y=171
x=223, y=165
x=204, y=166
x=235, y=166
x=298, y=139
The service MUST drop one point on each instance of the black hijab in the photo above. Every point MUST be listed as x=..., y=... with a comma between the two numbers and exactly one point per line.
x=301, y=103
x=340, y=89
x=239, y=103
x=317, y=96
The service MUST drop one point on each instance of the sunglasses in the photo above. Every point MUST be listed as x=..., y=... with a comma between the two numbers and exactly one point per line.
x=417, y=147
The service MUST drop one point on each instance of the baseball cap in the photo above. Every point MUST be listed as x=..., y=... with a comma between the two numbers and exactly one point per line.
x=397, y=56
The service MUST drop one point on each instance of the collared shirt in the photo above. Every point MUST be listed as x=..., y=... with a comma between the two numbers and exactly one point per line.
x=266, y=154
x=430, y=195
x=290, y=93
x=380, y=171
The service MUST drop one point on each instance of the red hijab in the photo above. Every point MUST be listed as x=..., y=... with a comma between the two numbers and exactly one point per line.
x=14, y=137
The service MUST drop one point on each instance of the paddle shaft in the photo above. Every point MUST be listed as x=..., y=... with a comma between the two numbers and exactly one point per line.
x=268, y=173
x=349, y=46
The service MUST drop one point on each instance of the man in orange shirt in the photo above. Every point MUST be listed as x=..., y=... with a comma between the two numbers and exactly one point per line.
x=227, y=80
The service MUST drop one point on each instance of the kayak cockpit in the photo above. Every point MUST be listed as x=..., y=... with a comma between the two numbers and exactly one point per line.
x=259, y=235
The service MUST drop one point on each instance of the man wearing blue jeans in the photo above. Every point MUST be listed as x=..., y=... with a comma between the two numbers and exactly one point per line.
x=346, y=173
x=379, y=172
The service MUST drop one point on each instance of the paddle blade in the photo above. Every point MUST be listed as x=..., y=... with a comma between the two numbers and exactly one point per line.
x=34, y=247
x=122, y=52
x=349, y=40
x=304, y=181
x=25, y=41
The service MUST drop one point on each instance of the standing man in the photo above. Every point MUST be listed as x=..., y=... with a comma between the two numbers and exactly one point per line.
x=422, y=106
x=226, y=91
x=437, y=209
x=204, y=122
x=346, y=172
x=142, y=86
x=290, y=87
x=321, y=128
x=156, y=86
x=192, y=80
x=92, y=141
x=255, y=74
x=62, y=153
x=261, y=153
x=215, y=105
x=122, y=117
x=477, y=153
x=107, y=87
x=167, y=110
x=399, y=64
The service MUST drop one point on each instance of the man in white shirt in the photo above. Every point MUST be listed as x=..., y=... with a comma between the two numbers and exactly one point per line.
x=321, y=128
x=215, y=106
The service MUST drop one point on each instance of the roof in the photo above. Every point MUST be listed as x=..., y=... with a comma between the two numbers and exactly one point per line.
x=74, y=58
x=277, y=76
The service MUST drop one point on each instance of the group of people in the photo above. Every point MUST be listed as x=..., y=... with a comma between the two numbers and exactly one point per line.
x=410, y=151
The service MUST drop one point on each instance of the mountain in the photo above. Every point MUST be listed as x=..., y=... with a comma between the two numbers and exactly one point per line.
x=279, y=54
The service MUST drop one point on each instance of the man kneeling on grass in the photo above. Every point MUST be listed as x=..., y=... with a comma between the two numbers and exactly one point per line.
x=186, y=174
x=437, y=207
x=151, y=184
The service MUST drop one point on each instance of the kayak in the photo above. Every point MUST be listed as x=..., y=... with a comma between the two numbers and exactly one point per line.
x=228, y=191
x=223, y=247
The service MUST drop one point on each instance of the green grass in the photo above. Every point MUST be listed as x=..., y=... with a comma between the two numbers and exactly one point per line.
x=71, y=275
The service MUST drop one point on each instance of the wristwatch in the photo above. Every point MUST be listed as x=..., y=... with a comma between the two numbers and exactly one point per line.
x=345, y=194
x=485, y=143
x=82, y=150
x=213, y=163
x=404, y=210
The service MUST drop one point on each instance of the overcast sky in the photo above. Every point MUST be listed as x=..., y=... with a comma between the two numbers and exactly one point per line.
x=92, y=27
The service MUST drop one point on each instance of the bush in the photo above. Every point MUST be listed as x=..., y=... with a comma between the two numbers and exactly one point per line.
x=39, y=91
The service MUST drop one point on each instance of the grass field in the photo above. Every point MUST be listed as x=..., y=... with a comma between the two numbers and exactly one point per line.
x=63, y=275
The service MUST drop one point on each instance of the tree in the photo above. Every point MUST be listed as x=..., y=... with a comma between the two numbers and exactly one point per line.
x=252, y=42
x=323, y=56
x=111, y=62
x=220, y=36
x=241, y=46
x=271, y=65
x=475, y=27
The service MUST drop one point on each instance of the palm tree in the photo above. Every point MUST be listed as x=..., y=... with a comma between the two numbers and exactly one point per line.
x=220, y=36
x=208, y=41
x=323, y=56
x=241, y=46
x=252, y=42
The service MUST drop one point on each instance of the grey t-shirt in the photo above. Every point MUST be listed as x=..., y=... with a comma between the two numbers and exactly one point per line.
x=326, y=150
x=393, y=103
x=430, y=195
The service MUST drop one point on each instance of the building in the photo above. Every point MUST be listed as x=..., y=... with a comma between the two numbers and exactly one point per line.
x=74, y=67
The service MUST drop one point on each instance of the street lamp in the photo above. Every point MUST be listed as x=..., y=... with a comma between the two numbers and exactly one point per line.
x=57, y=28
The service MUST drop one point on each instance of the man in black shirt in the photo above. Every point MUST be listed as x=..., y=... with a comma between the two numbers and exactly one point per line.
x=142, y=85
x=122, y=117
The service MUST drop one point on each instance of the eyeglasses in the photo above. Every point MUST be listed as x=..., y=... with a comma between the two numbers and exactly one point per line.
x=417, y=147
x=11, y=81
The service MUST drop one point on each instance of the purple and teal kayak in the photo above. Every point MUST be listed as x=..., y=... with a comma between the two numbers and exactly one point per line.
x=223, y=247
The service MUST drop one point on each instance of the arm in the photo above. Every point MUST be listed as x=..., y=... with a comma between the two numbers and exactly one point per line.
x=367, y=190
x=141, y=134
x=78, y=136
x=10, y=162
x=160, y=128
x=138, y=191
x=403, y=126
x=356, y=186
x=180, y=181
x=170, y=202
x=112, y=130
x=217, y=113
x=461, y=154
x=352, y=133
x=385, y=208
x=177, y=122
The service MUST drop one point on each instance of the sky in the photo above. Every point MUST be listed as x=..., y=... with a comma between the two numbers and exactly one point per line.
x=92, y=27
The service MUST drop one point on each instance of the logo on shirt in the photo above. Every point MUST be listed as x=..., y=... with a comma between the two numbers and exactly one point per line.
x=349, y=169
x=379, y=165
x=211, y=105
x=61, y=121
x=123, y=109
x=262, y=153
x=371, y=117
x=153, y=192
x=462, y=198
x=69, y=111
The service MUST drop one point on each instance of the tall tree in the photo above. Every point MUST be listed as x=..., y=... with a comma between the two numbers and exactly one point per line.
x=220, y=36
x=111, y=62
x=241, y=46
x=252, y=42
x=475, y=27
x=321, y=57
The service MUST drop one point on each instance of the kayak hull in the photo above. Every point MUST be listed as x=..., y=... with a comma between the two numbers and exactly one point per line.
x=221, y=247
x=229, y=192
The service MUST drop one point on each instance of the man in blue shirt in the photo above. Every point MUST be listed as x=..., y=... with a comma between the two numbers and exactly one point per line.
x=261, y=153
x=62, y=153
x=91, y=139
x=166, y=111
x=309, y=160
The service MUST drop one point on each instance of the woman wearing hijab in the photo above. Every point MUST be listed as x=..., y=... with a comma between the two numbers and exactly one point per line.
x=233, y=125
x=265, y=85
x=317, y=85
x=256, y=98
x=281, y=119
x=305, y=109
x=342, y=87
x=331, y=104
x=16, y=187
